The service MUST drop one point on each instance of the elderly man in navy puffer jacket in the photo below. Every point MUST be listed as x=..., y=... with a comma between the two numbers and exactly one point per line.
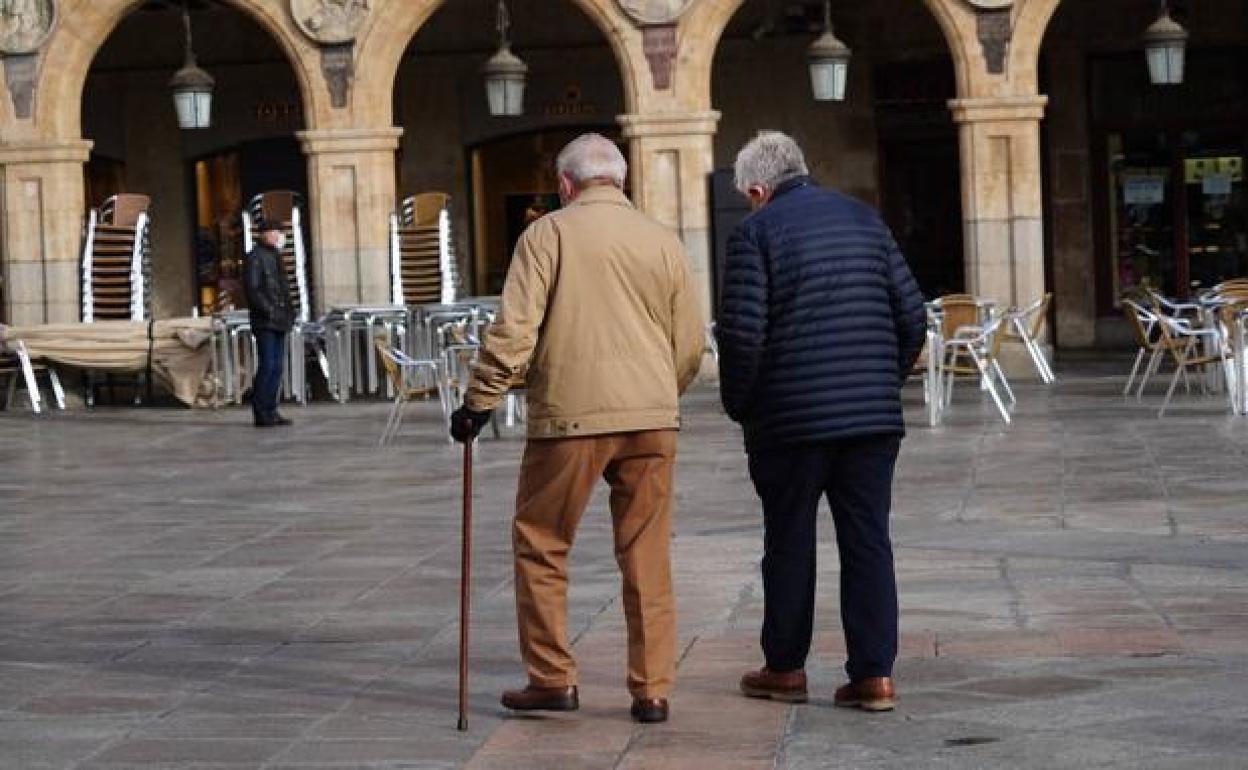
x=819, y=325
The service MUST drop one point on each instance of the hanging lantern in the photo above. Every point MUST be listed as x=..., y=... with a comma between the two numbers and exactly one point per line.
x=192, y=87
x=504, y=73
x=829, y=62
x=1165, y=47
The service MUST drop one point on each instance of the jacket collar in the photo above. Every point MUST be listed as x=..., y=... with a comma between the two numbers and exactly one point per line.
x=601, y=194
x=792, y=184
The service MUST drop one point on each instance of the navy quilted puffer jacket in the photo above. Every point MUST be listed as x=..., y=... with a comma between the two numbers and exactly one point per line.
x=820, y=321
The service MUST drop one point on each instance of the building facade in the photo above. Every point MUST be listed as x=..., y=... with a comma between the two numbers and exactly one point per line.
x=1014, y=145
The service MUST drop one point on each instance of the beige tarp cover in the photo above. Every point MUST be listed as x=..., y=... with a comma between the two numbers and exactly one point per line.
x=180, y=349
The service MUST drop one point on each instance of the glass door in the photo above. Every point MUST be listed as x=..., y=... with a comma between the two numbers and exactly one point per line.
x=1216, y=223
x=1141, y=212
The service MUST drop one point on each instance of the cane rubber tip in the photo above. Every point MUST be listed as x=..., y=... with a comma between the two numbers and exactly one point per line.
x=463, y=725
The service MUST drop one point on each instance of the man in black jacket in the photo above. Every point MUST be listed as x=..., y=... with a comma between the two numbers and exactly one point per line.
x=820, y=323
x=272, y=315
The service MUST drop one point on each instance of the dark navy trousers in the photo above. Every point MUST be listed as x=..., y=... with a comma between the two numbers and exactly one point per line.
x=270, y=361
x=856, y=475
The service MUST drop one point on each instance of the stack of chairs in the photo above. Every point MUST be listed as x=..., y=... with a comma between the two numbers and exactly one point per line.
x=116, y=260
x=422, y=258
x=285, y=208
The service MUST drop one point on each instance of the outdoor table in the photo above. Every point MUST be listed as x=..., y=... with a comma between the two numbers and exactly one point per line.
x=433, y=316
x=175, y=352
x=1239, y=366
x=1209, y=304
x=302, y=335
x=234, y=356
x=340, y=327
x=231, y=330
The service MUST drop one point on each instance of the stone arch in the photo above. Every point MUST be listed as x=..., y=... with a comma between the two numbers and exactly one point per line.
x=1030, y=26
x=707, y=21
x=84, y=27
x=393, y=26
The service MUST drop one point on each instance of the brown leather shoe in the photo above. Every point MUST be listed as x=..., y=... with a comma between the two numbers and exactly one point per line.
x=542, y=699
x=786, y=686
x=649, y=710
x=872, y=694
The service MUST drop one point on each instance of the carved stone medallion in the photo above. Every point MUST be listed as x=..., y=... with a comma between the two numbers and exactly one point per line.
x=654, y=11
x=328, y=21
x=25, y=25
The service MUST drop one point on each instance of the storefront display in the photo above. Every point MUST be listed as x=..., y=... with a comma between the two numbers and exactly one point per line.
x=1175, y=217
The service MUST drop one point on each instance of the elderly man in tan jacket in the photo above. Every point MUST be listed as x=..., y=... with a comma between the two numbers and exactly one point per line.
x=600, y=317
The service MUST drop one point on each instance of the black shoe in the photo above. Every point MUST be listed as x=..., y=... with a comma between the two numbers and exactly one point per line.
x=280, y=420
x=266, y=422
x=649, y=710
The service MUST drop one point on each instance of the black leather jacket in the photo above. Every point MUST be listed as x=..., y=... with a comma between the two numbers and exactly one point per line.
x=268, y=293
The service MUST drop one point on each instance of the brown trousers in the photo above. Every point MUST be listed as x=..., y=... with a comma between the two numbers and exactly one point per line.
x=557, y=478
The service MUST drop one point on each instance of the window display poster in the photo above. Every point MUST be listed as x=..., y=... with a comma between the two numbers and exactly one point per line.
x=1143, y=190
x=1196, y=169
x=1216, y=184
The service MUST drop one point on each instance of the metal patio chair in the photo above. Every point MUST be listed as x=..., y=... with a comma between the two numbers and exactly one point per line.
x=1024, y=327
x=982, y=346
x=405, y=375
x=18, y=367
x=1144, y=323
x=1172, y=307
x=1191, y=347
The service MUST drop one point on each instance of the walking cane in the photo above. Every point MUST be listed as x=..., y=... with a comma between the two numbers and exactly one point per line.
x=465, y=580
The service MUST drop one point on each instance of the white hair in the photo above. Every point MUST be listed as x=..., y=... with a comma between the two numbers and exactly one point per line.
x=592, y=156
x=768, y=160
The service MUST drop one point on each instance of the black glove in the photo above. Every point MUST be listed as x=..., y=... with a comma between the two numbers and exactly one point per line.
x=467, y=423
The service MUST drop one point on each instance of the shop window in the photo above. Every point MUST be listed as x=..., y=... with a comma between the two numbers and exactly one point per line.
x=1177, y=215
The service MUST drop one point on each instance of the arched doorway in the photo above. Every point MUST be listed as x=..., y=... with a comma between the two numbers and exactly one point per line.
x=892, y=142
x=513, y=185
x=1145, y=184
x=494, y=168
x=200, y=179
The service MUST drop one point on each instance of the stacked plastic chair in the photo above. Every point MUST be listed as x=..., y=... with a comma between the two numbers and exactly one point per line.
x=116, y=260
x=422, y=258
x=284, y=208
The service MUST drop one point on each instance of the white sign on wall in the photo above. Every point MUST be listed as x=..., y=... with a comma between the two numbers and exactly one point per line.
x=1216, y=184
x=1143, y=190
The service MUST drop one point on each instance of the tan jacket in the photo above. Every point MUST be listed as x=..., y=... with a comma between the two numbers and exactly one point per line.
x=600, y=307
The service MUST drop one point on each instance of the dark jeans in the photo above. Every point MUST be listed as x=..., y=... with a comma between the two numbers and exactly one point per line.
x=270, y=355
x=857, y=477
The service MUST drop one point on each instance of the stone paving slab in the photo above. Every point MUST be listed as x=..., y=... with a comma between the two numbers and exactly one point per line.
x=178, y=590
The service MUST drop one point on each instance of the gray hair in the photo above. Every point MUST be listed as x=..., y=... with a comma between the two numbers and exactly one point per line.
x=592, y=156
x=768, y=160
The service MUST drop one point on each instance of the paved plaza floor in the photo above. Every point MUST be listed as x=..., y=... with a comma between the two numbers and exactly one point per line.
x=179, y=590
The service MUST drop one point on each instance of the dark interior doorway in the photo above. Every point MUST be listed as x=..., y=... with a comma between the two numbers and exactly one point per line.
x=920, y=170
x=224, y=183
x=513, y=184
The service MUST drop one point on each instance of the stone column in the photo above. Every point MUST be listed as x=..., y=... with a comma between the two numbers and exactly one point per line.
x=673, y=155
x=1072, y=234
x=1002, y=200
x=42, y=200
x=351, y=187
